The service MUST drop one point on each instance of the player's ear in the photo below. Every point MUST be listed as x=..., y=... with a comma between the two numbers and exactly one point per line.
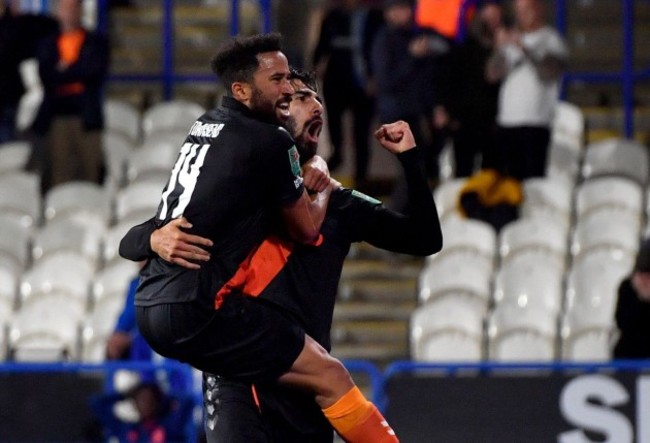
x=241, y=91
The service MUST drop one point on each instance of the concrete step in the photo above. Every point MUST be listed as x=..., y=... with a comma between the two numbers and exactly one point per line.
x=369, y=311
x=369, y=332
x=386, y=290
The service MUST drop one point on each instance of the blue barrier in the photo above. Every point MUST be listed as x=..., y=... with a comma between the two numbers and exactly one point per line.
x=373, y=373
x=378, y=379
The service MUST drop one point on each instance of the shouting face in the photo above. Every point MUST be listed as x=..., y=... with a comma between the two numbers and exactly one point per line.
x=305, y=120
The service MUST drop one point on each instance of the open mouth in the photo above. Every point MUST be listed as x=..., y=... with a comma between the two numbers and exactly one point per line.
x=313, y=129
x=283, y=109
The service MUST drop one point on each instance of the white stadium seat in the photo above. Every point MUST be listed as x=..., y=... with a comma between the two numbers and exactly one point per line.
x=169, y=116
x=518, y=334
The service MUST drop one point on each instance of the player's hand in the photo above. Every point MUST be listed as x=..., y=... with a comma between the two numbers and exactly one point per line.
x=117, y=345
x=395, y=137
x=174, y=245
x=315, y=174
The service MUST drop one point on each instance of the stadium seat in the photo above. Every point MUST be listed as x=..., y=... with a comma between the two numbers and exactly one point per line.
x=9, y=284
x=122, y=118
x=517, y=334
x=535, y=282
x=568, y=123
x=113, y=237
x=547, y=197
x=586, y=334
x=113, y=281
x=617, y=157
x=14, y=244
x=151, y=159
x=20, y=197
x=85, y=203
x=46, y=328
x=98, y=326
x=607, y=227
x=68, y=236
x=455, y=273
x=138, y=201
x=614, y=192
x=169, y=116
x=446, y=197
x=563, y=161
x=4, y=346
x=69, y=273
x=533, y=233
x=471, y=235
x=14, y=156
x=117, y=148
x=593, y=280
x=447, y=331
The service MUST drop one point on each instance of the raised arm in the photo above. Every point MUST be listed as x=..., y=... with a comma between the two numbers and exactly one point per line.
x=416, y=232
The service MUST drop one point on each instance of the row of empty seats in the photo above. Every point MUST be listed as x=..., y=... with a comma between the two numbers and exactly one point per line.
x=545, y=287
x=523, y=286
x=63, y=282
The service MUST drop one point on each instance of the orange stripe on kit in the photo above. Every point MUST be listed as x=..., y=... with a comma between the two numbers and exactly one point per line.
x=258, y=270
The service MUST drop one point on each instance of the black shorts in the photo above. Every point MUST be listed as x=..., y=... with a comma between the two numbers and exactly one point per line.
x=246, y=339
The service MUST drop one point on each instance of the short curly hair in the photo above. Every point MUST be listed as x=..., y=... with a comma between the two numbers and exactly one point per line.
x=236, y=60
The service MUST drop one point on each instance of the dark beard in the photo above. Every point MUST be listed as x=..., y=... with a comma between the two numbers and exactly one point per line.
x=263, y=109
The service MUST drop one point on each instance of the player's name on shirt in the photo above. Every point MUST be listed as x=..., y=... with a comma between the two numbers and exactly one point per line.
x=209, y=130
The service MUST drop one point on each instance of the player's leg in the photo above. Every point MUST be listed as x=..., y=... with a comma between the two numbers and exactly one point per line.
x=231, y=413
x=354, y=417
x=248, y=340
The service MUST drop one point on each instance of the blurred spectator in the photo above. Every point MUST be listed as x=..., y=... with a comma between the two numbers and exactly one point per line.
x=73, y=66
x=471, y=99
x=409, y=65
x=633, y=309
x=530, y=59
x=20, y=34
x=160, y=418
x=341, y=59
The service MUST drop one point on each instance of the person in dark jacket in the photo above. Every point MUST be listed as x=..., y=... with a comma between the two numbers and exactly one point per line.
x=20, y=34
x=342, y=59
x=633, y=309
x=410, y=64
x=471, y=99
x=72, y=65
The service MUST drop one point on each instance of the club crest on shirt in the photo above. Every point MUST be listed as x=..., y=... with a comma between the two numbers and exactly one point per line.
x=294, y=159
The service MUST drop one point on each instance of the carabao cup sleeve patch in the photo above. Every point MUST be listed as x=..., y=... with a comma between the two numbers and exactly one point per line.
x=294, y=159
x=365, y=197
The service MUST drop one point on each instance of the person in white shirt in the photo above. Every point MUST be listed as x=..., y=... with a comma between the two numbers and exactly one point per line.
x=529, y=60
